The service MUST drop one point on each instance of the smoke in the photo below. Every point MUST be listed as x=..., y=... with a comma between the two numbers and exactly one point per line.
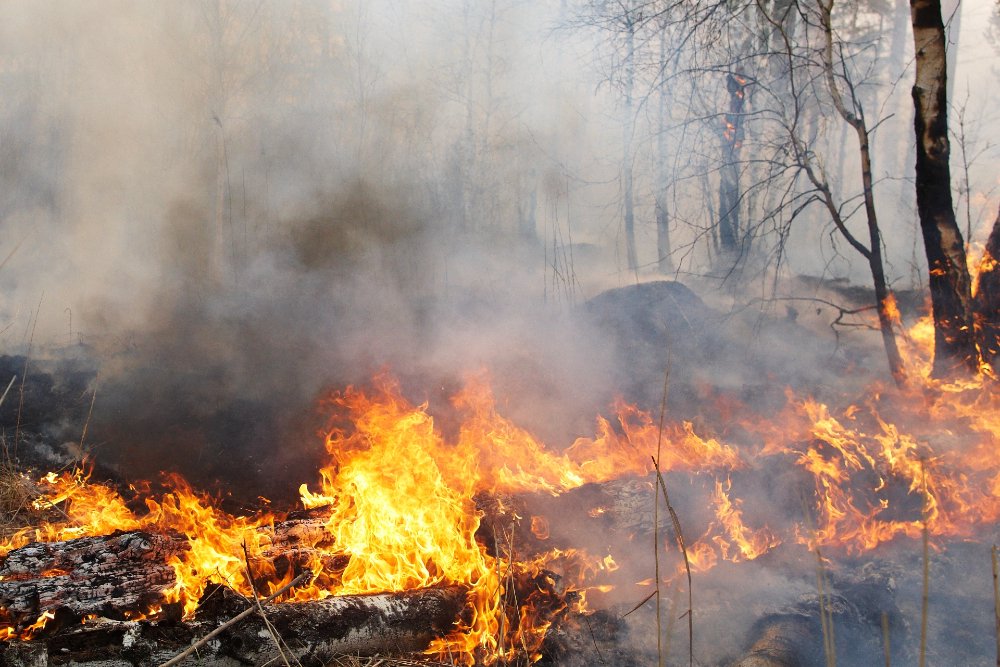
x=235, y=206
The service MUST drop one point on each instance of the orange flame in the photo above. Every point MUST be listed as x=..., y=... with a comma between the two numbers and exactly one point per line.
x=399, y=510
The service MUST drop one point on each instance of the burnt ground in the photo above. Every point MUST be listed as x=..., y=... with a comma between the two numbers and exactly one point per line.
x=647, y=329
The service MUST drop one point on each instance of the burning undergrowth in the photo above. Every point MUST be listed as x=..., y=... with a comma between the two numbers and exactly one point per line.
x=415, y=497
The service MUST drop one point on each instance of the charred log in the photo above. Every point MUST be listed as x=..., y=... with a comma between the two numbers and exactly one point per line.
x=314, y=633
x=107, y=575
x=797, y=636
x=784, y=641
x=127, y=573
x=601, y=638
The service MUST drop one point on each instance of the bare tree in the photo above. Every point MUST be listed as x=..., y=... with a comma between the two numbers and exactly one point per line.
x=835, y=73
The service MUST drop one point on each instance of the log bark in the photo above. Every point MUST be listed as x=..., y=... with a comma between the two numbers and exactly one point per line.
x=784, y=641
x=315, y=633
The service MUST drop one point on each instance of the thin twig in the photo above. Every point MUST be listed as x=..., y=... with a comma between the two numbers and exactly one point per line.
x=593, y=638
x=7, y=390
x=275, y=637
x=176, y=660
x=86, y=424
x=639, y=606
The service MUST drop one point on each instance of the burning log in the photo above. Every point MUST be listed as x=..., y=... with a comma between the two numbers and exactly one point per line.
x=125, y=574
x=110, y=575
x=86, y=593
x=313, y=633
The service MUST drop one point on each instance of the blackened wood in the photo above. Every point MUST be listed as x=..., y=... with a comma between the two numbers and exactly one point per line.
x=315, y=632
x=107, y=575
x=128, y=571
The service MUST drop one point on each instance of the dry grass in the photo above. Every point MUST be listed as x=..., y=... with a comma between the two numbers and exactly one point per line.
x=377, y=661
x=16, y=494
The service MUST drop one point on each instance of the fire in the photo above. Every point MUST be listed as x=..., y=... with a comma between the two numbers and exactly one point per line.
x=749, y=543
x=402, y=497
x=399, y=512
x=396, y=501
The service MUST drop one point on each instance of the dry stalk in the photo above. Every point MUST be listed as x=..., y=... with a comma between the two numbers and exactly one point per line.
x=925, y=594
x=7, y=390
x=661, y=656
x=177, y=659
x=687, y=563
x=822, y=585
x=885, y=639
x=24, y=376
x=662, y=650
x=639, y=605
x=825, y=613
x=996, y=598
x=501, y=629
x=86, y=424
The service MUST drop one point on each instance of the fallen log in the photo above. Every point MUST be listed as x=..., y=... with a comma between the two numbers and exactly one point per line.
x=785, y=640
x=127, y=572
x=796, y=637
x=107, y=575
x=314, y=633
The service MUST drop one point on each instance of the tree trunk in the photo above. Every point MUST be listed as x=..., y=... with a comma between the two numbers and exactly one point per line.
x=729, y=174
x=627, y=131
x=854, y=116
x=987, y=300
x=950, y=285
x=664, y=262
